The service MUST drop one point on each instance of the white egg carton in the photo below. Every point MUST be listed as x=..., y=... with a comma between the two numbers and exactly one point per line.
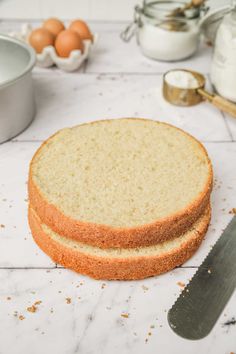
x=49, y=56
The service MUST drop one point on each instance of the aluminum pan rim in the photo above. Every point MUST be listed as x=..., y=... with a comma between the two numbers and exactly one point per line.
x=28, y=67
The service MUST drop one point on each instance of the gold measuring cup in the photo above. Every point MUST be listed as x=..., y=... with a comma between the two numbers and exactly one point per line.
x=191, y=96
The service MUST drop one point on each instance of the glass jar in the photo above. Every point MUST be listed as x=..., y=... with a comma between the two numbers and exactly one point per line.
x=223, y=67
x=166, y=30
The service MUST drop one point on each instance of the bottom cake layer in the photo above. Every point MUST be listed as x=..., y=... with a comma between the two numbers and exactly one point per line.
x=122, y=264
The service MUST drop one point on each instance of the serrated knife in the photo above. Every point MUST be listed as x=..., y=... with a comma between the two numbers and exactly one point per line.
x=200, y=304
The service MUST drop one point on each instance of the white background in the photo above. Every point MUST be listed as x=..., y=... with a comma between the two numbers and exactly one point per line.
x=108, y=10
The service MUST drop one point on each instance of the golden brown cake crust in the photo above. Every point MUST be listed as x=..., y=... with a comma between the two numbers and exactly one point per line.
x=121, y=268
x=104, y=236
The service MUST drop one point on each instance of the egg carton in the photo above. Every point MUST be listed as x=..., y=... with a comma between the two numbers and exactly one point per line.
x=49, y=56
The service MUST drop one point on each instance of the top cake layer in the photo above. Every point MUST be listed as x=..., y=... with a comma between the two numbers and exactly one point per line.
x=120, y=175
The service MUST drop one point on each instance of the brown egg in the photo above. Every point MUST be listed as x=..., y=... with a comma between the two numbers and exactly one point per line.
x=41, y=38
x=67, y=41
x=82, y=29
x=54, y=25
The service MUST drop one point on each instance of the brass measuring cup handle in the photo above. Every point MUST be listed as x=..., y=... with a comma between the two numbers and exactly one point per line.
x=219, y=102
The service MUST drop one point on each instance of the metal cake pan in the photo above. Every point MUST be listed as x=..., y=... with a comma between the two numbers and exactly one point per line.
x=17, y=104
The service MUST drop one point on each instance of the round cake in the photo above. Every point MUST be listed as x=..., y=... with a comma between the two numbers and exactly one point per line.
x=116, y=186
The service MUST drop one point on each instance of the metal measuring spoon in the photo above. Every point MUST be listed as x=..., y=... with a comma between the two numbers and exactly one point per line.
x=190, y=96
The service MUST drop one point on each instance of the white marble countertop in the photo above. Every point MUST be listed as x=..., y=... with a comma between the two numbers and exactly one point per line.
x=78, y=314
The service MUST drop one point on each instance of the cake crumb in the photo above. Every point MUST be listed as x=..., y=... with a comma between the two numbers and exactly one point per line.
x=152, y=326
x=68, y=300
x=8, y=298
x=103, y=286
x=149, y=333
x=232, y=211
x=209, y=43
x=181, y=284
x=2, y=226
x=37, y=302
x=230, y=322
x=32, y=309
x=21, y=317
x=145, y=288
x=125, y=315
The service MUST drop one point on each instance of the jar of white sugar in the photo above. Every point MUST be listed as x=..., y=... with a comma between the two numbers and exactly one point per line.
x=166, y=30
x=223, y=68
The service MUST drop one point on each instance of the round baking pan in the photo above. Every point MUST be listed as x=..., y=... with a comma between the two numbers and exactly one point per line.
x=17, y=105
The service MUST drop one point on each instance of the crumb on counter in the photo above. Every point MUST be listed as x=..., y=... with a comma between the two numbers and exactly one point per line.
x=181, y=284
x=68, y=300
x=145, y=288
x=21, y=317
x=232, y=211
x=32, y=309
x=125, y=315
x=230, y=322
x=209, y=43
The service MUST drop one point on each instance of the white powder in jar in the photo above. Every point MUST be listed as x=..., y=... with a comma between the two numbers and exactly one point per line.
x=182, y=79
x=162, y=44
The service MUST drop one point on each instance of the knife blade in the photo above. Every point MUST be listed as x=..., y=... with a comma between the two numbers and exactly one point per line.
x=200, y=304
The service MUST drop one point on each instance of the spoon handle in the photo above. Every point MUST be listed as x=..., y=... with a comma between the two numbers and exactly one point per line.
x=219, y=102
x=224, y=105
